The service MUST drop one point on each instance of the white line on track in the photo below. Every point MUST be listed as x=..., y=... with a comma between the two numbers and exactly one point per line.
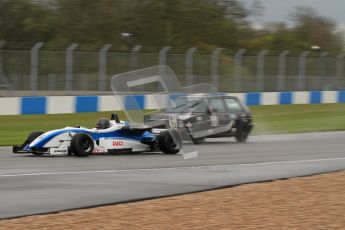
x=209, y=167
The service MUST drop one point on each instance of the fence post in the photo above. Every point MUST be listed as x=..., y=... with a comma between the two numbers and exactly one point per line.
x=238, y=70
x=3, y=77
x=134, y=56
x=163, y=55
x=189, y=66
x=302, y=65
x=260, y=65
x=215, y=66
x=340, y=70
x=2, y=73
x=321, y=70
x=51, y=81
x=69, y=66
x=102, y=67
x=281, y=70
x=162, y=59
x=34, y=65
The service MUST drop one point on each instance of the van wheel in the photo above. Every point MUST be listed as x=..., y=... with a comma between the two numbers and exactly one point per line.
x=198, y=141
x=241, y=136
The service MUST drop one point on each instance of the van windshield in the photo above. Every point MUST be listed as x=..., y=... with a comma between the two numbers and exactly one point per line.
x=186, y=105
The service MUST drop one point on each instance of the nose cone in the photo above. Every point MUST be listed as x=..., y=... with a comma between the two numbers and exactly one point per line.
x=38, y=141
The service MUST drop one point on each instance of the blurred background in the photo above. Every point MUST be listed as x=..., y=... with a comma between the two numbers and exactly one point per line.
x=74, y=47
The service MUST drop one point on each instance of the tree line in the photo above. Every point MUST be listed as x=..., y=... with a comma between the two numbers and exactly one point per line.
x=206, y=24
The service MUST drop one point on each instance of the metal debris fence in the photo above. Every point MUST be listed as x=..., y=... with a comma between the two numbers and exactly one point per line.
x=70, y=70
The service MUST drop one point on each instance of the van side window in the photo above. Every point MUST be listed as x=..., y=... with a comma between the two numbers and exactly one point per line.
x=233, y=105
x=217, y=105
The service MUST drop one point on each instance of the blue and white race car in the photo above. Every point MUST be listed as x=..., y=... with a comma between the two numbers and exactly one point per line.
x=109, y=136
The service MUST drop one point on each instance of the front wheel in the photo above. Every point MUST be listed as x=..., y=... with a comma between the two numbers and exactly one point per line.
x=82, y=145
x=170, y=142
x=241, y=136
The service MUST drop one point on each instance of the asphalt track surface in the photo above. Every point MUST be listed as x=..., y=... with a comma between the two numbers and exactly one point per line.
x=40, y=184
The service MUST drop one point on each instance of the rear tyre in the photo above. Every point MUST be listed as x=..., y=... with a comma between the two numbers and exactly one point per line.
x=170, y=142
x=31, y=137
x=82, y=145
x=241, y=136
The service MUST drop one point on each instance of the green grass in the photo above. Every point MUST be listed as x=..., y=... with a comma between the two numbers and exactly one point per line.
x=298, y=118
x=268, y=119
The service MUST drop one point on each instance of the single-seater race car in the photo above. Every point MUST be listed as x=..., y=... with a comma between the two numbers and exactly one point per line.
x=109, y=136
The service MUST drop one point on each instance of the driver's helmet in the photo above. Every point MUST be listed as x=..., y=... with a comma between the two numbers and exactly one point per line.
x=103, y=123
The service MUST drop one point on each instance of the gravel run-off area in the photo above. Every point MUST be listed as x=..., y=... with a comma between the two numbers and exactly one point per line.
x=314, y=202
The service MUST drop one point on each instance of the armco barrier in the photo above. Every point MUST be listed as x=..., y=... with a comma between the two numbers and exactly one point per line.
x=76, y=104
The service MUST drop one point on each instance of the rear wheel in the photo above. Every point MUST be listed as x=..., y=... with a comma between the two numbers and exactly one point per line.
x=82, y=145
x=170, y=142
x=31, y=137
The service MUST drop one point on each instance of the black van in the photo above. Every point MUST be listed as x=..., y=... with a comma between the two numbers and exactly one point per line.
x=206, y=116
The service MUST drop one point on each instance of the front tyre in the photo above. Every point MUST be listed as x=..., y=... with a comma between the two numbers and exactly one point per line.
x=241, y=136
x=170, y=142
x=82, y=145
